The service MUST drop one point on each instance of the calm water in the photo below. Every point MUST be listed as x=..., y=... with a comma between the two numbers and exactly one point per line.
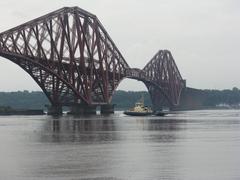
x=186, y=146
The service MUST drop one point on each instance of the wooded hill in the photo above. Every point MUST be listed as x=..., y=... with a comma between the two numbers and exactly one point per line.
x=122, y=99
x=37, y=99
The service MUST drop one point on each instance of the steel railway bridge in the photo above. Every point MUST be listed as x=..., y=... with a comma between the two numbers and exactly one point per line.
x=70, y=55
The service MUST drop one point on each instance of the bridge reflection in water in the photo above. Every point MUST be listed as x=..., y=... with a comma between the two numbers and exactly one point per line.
x=121, y=147
x=114, y=145
x=92, y=129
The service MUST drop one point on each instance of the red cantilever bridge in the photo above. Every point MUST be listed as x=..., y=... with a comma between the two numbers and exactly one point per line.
x=72, y=58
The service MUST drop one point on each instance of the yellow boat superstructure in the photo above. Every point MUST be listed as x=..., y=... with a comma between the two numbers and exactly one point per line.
x=139, y=109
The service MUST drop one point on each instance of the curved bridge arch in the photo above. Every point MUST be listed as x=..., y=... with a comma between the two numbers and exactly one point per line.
x=162, y=79
x=73, y=59
x=163, y=71
x=72, y=45
x=46, y=79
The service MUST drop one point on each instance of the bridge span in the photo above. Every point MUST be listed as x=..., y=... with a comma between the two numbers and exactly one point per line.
x=72, y=58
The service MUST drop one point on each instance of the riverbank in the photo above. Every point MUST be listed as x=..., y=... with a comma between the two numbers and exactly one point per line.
x=10, y=111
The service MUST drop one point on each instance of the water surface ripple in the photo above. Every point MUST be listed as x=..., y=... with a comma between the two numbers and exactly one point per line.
x=185, y=146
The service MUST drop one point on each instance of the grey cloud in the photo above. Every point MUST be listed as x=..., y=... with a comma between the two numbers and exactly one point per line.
x=202, y=35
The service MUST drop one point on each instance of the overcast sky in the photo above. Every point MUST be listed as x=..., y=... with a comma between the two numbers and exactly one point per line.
x=203, y=36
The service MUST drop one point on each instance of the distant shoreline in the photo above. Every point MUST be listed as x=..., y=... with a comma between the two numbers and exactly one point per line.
x=10, y=111
x=36, y=100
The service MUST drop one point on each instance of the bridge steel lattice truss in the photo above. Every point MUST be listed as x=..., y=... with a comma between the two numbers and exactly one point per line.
x=72, y=58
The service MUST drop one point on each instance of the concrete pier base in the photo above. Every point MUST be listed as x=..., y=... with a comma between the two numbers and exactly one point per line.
x=82, y=109
x=107, y=109
x=54, y=110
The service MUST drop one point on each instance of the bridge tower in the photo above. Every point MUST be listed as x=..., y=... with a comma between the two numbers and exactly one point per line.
x=162, y=79
x=72, y=58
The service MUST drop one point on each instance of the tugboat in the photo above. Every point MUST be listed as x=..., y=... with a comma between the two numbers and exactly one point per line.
x=139, y=109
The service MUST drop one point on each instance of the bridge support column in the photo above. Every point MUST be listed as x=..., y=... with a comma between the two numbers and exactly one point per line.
x=82, y=109
x=54, y=110
x=107, y=109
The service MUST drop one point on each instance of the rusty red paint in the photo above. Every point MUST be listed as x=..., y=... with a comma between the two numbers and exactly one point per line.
x=73, y=59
